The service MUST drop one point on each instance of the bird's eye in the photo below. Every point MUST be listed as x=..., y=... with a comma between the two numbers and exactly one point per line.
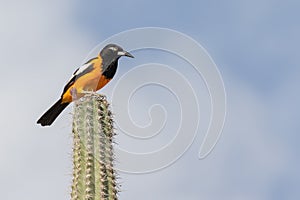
x=113, y=48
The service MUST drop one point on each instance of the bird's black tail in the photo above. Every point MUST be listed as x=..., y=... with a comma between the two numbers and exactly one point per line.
x=48, y=118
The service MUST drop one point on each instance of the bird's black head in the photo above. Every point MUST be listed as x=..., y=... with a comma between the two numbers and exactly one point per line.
x=113, y=52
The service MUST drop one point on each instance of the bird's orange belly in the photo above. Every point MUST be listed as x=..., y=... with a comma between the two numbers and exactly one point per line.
x=82, y=85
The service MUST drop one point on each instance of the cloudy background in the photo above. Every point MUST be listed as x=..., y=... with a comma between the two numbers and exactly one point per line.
x=255, y=46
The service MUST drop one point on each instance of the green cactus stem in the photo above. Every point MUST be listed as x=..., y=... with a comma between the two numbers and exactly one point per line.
x=94, y=177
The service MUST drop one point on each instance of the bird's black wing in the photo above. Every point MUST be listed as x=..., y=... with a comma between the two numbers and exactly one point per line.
x=84, y=69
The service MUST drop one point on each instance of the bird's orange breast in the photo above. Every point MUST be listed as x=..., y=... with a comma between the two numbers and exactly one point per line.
x=92, y=81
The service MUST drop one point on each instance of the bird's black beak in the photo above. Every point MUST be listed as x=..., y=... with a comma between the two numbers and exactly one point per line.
x=125, y=53
x=128, y=54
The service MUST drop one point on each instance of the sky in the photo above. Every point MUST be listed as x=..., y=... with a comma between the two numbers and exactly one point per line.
x=255, y=47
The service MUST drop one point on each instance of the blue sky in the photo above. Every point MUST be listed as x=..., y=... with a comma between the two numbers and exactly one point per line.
x=255, y=46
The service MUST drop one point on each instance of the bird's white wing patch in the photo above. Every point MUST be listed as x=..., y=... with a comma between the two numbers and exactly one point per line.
x=81, y=69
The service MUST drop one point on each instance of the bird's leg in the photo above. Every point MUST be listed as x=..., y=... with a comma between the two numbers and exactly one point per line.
x=73, y=92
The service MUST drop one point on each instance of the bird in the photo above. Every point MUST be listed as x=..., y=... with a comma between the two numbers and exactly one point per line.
x=90, y=77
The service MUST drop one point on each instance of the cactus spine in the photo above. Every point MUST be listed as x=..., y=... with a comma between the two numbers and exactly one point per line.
x=93, y=173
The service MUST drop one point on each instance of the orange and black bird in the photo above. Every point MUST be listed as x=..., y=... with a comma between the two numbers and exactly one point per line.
x=91, y=76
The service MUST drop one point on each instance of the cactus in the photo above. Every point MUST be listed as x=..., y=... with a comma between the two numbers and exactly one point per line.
x=94, y=177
